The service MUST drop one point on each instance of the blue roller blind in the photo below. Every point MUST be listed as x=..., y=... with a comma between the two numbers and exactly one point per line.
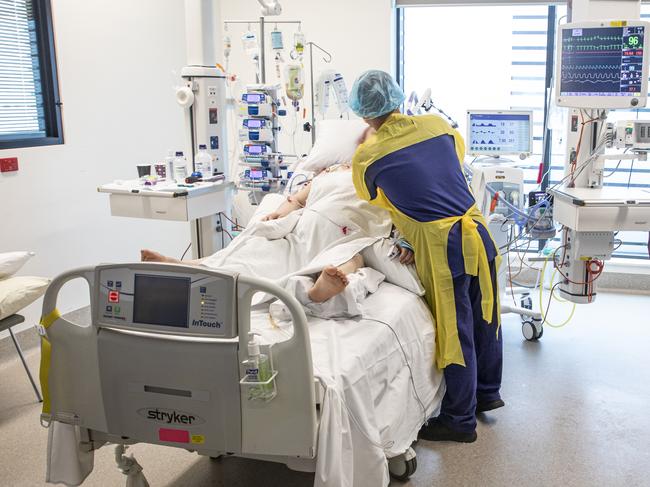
x=21, y=98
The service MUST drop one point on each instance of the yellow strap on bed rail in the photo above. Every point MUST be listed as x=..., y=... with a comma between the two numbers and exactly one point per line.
x=46, y=354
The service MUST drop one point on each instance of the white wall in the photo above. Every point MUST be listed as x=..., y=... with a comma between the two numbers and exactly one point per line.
x=358, y=34
x=115, y=59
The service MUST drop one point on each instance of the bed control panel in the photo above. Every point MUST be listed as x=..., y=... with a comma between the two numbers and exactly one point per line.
x=166, y=299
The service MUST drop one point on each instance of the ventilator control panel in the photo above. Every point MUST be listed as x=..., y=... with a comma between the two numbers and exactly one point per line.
x=166, y=299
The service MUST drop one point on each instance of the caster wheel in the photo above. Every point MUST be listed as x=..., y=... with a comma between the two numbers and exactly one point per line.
x=403, y=466
x=531, y=331
x=527, y=302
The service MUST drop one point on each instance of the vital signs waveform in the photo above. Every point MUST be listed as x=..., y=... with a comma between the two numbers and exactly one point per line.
x=593, y=47
x=595, y=38
x=592, y=76
x=591, y=67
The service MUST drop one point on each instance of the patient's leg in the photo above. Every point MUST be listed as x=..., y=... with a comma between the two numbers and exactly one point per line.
x=147, y=255
x=333, y=280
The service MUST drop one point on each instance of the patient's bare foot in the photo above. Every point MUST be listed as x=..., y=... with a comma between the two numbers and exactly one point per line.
x=151, y=256
x=331, y=282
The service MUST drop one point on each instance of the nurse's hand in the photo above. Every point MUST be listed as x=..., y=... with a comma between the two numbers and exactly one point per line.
x=406, y=256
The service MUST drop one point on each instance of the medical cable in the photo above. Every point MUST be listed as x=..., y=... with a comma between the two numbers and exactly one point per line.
x=592, y=274
x=617, y=166
x=293, y=180
x=390, y=443
x=239, y=227
x=354, y=419
x=186, y=251
x=507, y=245
x=223, y=242
x=524, y=216
x=629, y=179
x=408, y=365
x=550, y=298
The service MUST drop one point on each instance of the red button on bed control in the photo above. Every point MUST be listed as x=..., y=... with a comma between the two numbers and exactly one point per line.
x=113, y=296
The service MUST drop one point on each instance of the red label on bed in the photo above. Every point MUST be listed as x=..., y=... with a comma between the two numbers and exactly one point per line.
x=176, y=436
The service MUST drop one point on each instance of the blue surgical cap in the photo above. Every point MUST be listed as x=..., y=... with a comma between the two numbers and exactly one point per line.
x=375, y=93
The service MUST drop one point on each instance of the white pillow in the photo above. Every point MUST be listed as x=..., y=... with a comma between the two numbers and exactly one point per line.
x=405, y=276
x=18, y=292
x=11, y=262
x=336, y=143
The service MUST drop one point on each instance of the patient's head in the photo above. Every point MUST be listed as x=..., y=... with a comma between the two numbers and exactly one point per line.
x=369, y=132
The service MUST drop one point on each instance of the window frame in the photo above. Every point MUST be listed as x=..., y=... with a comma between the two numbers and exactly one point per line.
x=551, y=34
x=52, y=106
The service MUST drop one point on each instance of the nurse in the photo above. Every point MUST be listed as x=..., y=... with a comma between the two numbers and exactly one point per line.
x=412, y=167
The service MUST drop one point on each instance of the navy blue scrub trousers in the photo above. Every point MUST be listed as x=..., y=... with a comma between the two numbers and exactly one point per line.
x=480, y=379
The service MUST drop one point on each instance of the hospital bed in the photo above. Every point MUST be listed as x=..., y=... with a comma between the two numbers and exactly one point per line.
x=158, y=358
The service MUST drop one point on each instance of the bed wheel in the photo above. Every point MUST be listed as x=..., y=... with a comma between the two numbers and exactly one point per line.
x=403, y=466
x=532, y=330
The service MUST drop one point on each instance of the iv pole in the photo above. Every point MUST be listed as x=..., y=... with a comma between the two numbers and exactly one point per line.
x=327, y=59
x=261, y=22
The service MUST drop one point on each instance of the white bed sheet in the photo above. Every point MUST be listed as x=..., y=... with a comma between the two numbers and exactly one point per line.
x=370, y=410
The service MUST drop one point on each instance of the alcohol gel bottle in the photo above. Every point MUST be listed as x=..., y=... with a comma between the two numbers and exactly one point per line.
x=203, y=162
x=258, y=369
x=180, y=167
x=169, y=162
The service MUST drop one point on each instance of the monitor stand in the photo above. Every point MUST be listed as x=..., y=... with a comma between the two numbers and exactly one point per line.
x=496, y=160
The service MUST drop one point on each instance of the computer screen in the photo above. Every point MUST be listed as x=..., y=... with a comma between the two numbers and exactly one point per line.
x=602, y=66
x=160, y=300
x=499, y=133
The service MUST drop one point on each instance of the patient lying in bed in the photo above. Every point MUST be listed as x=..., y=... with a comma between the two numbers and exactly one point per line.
x=331, y=281
x=324, y=218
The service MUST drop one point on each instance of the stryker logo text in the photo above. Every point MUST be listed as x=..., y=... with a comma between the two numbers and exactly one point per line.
x=169, y=416
x=206, y=324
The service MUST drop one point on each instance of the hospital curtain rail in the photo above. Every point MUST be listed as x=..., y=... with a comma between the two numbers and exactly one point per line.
x=30, y=107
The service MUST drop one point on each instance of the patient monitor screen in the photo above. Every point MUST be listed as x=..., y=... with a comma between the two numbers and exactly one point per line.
x=602, y=61
x=161, y=300
x=499, y=133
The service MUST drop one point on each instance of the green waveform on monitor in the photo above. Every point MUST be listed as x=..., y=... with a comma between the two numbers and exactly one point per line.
x=582, y=39
x=594, y=47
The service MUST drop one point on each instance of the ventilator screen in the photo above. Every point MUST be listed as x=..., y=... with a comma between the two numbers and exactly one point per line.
x=499, y=133
x=161, y=300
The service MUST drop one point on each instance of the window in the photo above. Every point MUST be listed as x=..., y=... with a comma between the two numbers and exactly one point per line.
x=497, y=57
x=30, y=110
